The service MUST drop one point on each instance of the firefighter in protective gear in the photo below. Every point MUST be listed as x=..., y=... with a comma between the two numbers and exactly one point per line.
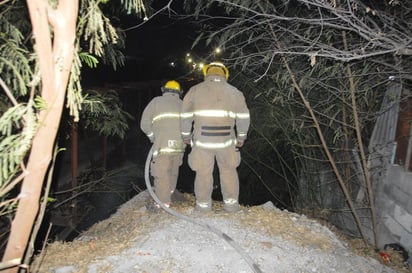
x=161, y=123
x=220, y=119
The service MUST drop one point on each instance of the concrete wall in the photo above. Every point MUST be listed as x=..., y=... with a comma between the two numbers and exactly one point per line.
x=394, y=208
x=391, y=185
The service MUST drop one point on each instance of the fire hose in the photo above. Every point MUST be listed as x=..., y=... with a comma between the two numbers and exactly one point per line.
x=224, y=236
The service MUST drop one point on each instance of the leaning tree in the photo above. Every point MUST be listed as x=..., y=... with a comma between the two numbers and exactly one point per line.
x=40, y=66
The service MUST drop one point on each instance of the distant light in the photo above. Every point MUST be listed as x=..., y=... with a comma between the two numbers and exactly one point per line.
x=201, y=65
x=172, y=64
x=189, y=60
x=187, y=54
x=218, y=50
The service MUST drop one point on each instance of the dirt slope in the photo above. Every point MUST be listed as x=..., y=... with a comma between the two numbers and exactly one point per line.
x=257, y=239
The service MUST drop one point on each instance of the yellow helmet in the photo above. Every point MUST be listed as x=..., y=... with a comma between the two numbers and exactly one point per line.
x=216, y=68
x=172, y=86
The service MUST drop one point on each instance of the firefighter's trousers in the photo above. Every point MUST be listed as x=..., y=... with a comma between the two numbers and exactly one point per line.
x=202, y=162
x=165, y=171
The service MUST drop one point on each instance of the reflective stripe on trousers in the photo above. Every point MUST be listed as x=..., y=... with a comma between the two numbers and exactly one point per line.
x=230, y=201
x=204, y=205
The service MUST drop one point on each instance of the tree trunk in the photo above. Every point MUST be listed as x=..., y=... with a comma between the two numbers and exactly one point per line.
x=55, y=59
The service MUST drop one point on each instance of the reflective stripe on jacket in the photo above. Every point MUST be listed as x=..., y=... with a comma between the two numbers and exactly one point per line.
x=219, y=112
x=161, y=123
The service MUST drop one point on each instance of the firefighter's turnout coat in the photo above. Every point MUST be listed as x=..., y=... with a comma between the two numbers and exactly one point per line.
x=215, y=118
x=161, y=123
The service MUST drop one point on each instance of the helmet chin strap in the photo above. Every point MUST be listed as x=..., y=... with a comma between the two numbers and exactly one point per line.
x=172, y=91
x=168, y=90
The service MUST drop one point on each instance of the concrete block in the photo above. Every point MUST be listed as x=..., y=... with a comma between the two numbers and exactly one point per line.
x=399, y=195
x=406, y=242
x=396, y=176
x=396, y=229
x=403, y=218
x=409, y=206
x=386, y=205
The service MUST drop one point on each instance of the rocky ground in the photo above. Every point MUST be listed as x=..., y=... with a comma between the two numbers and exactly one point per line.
x=260, y=239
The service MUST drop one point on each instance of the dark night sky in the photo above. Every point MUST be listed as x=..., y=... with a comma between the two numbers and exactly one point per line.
x=150, y=47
